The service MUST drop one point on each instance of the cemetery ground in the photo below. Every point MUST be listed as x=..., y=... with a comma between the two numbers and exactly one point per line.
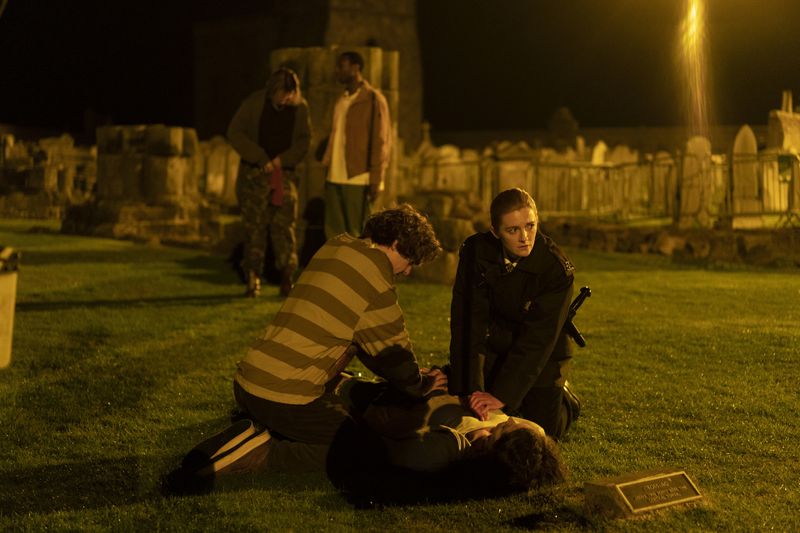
x=123, y=356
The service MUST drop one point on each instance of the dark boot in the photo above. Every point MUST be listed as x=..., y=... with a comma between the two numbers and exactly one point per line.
x=571, y=407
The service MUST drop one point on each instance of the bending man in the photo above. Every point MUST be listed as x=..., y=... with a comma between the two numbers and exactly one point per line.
x=344, y=305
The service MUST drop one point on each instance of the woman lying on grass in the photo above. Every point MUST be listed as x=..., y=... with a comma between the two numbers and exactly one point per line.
x=401, y=451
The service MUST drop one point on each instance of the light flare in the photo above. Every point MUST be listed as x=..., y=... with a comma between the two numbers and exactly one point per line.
x=693, y=52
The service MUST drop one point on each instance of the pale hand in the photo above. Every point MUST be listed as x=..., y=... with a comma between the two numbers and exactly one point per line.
x=439, y=378
x=483, y=402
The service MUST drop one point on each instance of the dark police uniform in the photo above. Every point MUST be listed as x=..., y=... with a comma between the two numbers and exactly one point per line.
x=506, y=325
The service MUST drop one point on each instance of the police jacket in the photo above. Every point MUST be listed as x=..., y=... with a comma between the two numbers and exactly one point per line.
x=504, y=323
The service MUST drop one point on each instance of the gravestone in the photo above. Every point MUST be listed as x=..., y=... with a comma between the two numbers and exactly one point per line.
x=746, y=198
x=216, y=166
x=599, y=153
x=512, y=174
x=665, y=175
x=783, y=131
x=622, y=154
x=637, y=493
x=696, y=185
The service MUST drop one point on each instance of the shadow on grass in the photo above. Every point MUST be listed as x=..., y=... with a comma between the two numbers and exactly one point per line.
x=133, y=255
x=203, y=268
x=164, y=301
x=75, y=486
x=209, y=269
x=551, y=519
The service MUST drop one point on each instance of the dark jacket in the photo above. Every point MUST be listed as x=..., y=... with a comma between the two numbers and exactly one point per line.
x=504, y=325
x=243, y=133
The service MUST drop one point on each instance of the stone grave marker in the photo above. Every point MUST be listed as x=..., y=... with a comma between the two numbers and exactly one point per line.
x=636, y=493
x=746, y=198
x=599, y=153
x=696, y=185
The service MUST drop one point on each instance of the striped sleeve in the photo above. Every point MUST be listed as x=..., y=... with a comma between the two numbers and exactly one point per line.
x=386, y=348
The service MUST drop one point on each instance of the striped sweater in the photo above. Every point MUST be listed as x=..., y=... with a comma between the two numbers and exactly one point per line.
x=345, y=296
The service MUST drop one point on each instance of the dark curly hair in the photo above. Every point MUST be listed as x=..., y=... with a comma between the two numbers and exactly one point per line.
x=415, y=238
x=530, y=459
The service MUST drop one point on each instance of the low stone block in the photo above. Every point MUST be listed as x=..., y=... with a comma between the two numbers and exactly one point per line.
x=440, y=270
x=163, y=178
x=109, y=139
x=191, y=143
x=164, y=140
x=451, y=232
x=134, y=138
x=461, y=208
x=666, y=244
x=42, y=179
x=131, y=170
x=439, y=206
x=698, y=245
x=109, y=176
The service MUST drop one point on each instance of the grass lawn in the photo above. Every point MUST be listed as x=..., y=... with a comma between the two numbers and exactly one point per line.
x=123, y=357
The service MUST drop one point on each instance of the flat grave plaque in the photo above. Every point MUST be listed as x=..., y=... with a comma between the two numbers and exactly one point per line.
x=637, y=493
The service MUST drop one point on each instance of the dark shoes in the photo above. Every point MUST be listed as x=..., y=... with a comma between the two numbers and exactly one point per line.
x=571, y=408
x=239, y=448
x=572, y=400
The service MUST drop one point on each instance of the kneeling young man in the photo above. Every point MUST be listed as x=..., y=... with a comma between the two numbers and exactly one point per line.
x=511, y=298
x=343, y=305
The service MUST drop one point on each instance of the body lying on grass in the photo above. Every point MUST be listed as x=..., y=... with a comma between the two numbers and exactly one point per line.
x=393, y=450
x=397, y=450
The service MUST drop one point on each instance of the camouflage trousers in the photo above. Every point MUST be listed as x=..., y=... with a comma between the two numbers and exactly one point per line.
x=259, y=217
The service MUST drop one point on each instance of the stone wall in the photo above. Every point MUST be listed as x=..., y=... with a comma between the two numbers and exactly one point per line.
x=157, y=182
x=768, y=248
x=454, y=215
x=39, y=179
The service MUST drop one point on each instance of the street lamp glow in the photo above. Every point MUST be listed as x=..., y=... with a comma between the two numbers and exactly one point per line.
x=693, y=63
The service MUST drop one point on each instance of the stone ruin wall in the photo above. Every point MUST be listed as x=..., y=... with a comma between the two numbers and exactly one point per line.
x=40, y=179
x=157, y=182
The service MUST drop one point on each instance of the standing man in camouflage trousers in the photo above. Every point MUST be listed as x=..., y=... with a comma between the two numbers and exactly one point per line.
x=271, y=131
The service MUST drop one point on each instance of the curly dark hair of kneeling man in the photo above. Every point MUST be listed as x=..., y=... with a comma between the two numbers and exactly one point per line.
x=530, y=460
x=416, y=240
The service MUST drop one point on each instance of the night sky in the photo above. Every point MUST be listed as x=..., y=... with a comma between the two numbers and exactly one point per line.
x=501, y=64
